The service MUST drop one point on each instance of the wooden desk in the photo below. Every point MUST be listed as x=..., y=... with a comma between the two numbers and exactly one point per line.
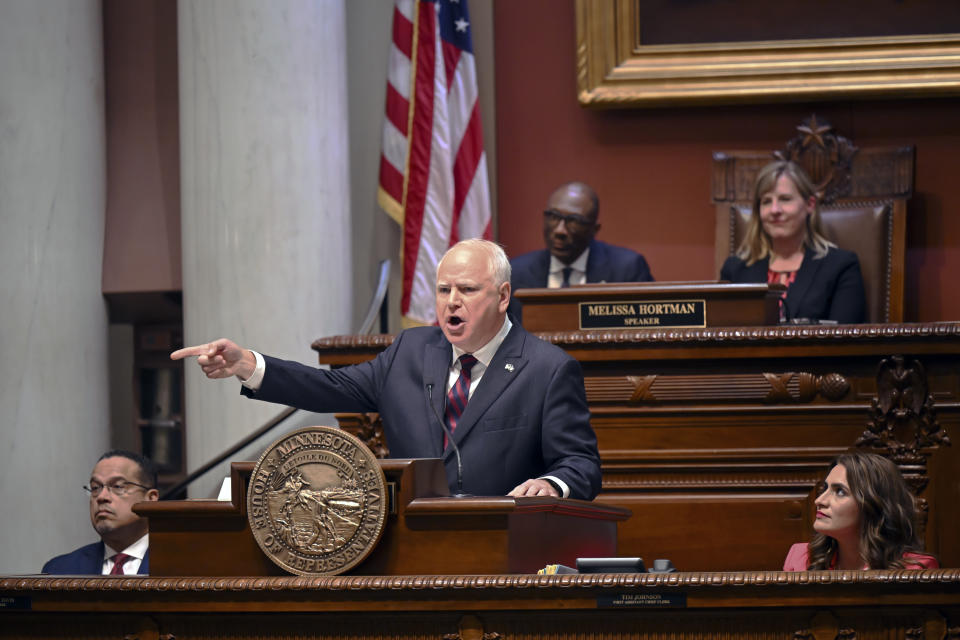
x=716, y=438
x=878, y=605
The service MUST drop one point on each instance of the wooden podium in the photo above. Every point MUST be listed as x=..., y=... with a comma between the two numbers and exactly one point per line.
x=650, y=305
x=427, y=532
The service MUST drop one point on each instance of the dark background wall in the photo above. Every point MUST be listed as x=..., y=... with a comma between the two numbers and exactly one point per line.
x=651, y=167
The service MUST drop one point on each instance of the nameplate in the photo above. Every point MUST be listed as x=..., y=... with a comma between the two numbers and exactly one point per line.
x=643, y=601
x=16, y=602
x=639, y=314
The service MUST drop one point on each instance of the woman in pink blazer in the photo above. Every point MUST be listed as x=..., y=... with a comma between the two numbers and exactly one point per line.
x=865, y=520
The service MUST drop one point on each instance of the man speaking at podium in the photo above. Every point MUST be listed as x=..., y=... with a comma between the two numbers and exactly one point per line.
x=514, y=404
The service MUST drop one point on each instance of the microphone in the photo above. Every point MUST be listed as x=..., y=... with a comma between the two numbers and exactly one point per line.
x=787, y=316
x=456, y=449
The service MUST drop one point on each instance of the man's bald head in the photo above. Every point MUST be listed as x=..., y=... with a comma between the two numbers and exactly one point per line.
x=570, y=220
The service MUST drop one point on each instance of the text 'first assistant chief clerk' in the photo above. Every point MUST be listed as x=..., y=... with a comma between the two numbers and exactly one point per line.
x=515, y=404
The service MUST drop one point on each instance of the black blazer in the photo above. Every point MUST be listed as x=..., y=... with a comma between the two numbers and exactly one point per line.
x=85, y=561
x=606, y=263
x=527, y=418
x=828, y=288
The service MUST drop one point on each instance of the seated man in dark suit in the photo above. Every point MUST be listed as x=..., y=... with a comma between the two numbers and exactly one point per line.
x=119, y=480
x=572, y=255
x=515, y=404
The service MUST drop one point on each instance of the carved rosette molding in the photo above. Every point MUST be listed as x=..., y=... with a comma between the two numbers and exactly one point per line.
x=772, y=388
x=737, y=335
x=825, y=626
x=479, y=582
x=471, y=628
x=367, y=340
x=934, y=628
x=747, y=335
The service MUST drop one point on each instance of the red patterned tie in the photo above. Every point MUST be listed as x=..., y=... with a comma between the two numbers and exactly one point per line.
x=118, y=561
x=459, y=394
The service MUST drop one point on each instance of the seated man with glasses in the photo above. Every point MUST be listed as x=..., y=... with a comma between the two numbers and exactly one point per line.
x=119, y=480
x=572, y=255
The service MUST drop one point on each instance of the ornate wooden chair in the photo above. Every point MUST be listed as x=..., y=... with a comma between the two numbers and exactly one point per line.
x=863, y=204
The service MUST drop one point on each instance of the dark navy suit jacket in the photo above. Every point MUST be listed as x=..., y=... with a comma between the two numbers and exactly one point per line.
x=828, y=288
x=606, y=263
x=527, y=418
x=87, y=560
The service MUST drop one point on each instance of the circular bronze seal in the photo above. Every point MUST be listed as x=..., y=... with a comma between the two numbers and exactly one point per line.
x=317, y=501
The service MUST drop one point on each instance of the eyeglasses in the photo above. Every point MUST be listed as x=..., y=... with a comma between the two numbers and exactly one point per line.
x=118, y=488
x=573, y=221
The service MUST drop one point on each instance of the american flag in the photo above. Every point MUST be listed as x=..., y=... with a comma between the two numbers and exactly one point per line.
x=433, y=170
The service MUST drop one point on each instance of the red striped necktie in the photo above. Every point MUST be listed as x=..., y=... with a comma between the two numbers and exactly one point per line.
x=118, y=561
x=459, y=394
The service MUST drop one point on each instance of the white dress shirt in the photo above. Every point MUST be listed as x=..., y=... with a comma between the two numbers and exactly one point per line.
x=136, y=551
x=578, y=273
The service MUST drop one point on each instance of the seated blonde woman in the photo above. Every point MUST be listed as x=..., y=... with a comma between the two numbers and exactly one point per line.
x=784, y=244
x=865, y=520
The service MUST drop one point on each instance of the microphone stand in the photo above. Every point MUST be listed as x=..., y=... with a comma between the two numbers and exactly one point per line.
x=456, y=449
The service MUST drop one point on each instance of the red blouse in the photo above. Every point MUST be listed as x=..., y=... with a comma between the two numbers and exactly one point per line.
x=797, y=559
x=785, y=278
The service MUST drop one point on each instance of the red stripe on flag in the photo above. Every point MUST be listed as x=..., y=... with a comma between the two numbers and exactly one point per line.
x=465, y=166
x=391, y=180
x=451, y=58
x=402, y=33
x=398, y=109
x=420, y=140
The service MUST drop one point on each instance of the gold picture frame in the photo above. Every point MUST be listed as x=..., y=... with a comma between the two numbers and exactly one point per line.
x=614, y=69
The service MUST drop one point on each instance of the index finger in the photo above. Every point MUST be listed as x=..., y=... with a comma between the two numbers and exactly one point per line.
x=186, y=352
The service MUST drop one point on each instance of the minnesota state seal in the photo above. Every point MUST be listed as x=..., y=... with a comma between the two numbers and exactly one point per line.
x=317, y=501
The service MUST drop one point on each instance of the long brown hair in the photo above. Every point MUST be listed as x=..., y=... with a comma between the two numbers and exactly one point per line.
x=756, y=243
x=887, y=513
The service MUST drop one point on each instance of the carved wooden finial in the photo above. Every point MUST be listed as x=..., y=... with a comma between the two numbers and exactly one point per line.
x=471, y=628
x=825, y=156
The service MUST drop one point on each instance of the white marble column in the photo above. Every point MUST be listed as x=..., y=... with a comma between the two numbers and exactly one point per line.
x=265, y=196
x=53, y=322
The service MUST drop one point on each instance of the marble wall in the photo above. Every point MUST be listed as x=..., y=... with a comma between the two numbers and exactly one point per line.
x=53, y=337
x=265, y=209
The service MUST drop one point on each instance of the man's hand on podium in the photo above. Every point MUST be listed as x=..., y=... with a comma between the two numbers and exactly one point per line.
x=534, y=487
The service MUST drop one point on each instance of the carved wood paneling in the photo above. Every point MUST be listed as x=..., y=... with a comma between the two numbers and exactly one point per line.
x=770, y=388
x=669, y=624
